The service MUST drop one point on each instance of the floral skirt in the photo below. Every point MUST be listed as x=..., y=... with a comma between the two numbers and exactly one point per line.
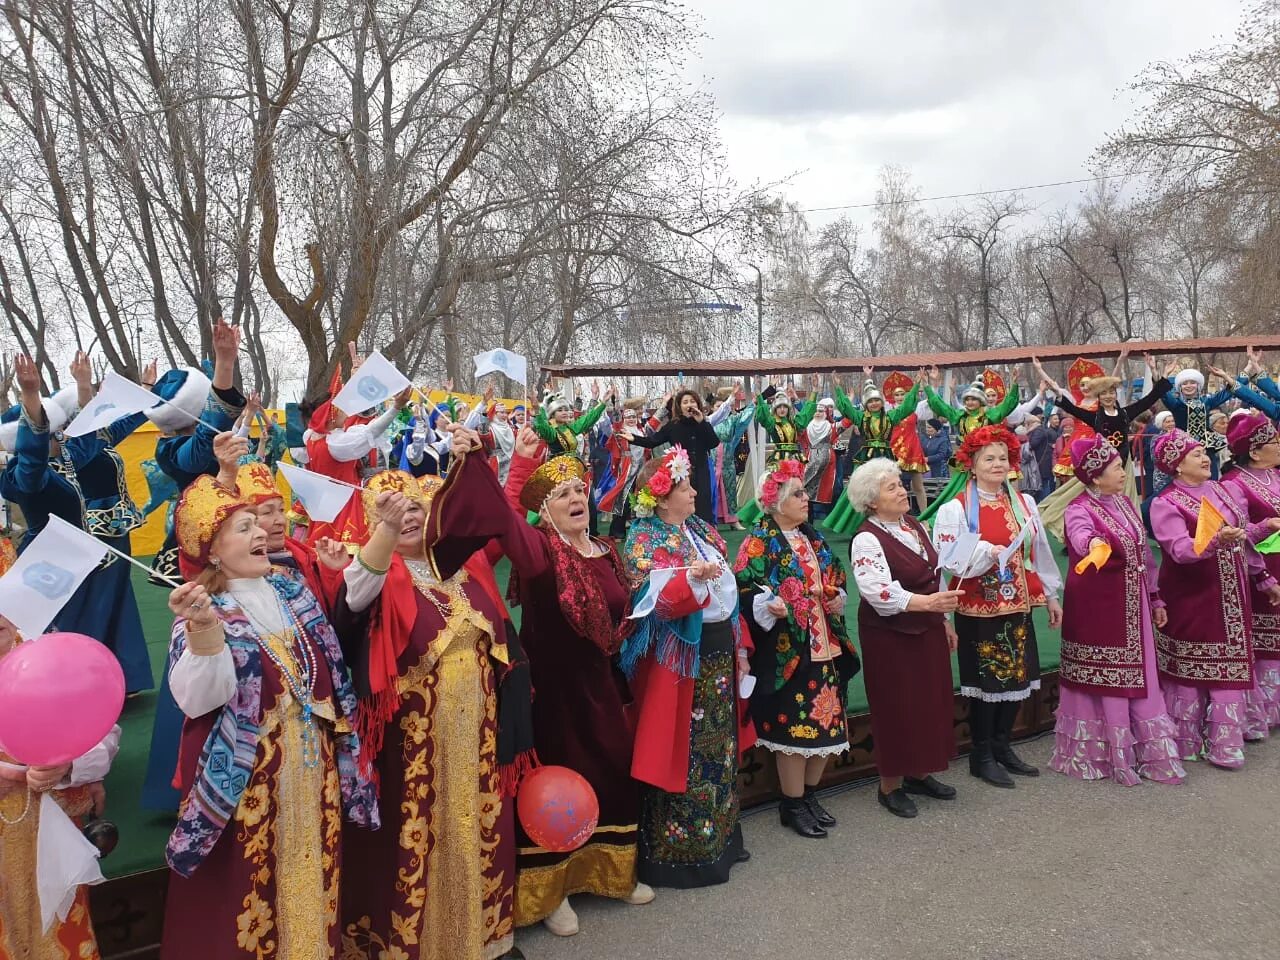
x=998, y=657
x=693, y=839
x=805, y=715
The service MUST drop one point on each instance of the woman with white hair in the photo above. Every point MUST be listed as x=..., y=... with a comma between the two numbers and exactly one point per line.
x=792, y=595
x=906, y=640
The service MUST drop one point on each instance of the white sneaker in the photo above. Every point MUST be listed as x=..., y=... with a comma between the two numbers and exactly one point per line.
x=563, y=922
x=642, y=894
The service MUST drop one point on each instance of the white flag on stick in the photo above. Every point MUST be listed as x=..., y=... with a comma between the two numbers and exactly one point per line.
x=373, y=382
x=323, y=498
x=116, y=398
x=502, y=361
x=37, y=587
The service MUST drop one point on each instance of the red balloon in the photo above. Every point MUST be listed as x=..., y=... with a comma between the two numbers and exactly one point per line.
x=60, y=694
x=558, y=809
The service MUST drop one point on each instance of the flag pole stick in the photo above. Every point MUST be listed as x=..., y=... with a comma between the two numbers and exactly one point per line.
x=140, y=565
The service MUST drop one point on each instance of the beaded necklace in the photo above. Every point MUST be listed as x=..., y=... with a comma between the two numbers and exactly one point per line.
x=710, y=556
x=301, y=680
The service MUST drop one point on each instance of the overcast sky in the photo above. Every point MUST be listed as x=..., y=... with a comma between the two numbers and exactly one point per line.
x=967, y=96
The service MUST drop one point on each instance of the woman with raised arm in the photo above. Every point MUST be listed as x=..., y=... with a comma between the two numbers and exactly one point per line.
x=270, y=761
x=690, y=429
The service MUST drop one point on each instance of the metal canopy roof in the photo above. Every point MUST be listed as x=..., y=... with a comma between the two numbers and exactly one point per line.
x=908, y=361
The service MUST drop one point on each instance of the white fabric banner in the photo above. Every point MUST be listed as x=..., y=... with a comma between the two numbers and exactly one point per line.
x=38, y=586
x=502, y=361
x=65, y=859
x=323, y=498
x=374, y=382
x=116, y=398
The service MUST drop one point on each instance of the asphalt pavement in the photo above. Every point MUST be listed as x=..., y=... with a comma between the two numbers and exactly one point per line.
x=1056, y=868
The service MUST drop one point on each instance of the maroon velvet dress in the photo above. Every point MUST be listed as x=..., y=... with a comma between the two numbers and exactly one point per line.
x=580, y=697
x=906, y=667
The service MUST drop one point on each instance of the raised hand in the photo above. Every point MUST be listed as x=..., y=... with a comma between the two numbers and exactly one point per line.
x=462, y=441
x=226, y=341
x=150, y=374
x=191, y=602
x=392, y=507
x=1172, y=367
x=401, y=399
x=332, y=554
x=82, y=370
x=228, y=449
x=527, y=442
x=27, y=376
x=489, y=393
x=595, y=390
x=867, y=372
x=1150, y=360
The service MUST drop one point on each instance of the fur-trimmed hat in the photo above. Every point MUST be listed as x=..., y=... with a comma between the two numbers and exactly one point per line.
x=553, y=401
x=975, y=390
x=871, y=392
x=187, y=390
x=1191, y=374
x=54, y=413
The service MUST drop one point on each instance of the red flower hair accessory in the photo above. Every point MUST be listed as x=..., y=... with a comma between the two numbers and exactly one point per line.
x=984, y=437
x=772, y=485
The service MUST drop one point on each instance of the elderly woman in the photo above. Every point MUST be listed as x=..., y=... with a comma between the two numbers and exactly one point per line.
x=573, y=592
x=792, y=594
x=1206, y=648
x=1254, y=483
x=993, y=543
x=906, y=640
x=685, y=659
x=269, y=759
x=1111, y=720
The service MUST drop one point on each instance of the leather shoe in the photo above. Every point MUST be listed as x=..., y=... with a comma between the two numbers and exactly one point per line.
x=794, y=813
x=929, y=786
x=898, y=803
x=819, y=812
x=1005, y=756
x=743, y=855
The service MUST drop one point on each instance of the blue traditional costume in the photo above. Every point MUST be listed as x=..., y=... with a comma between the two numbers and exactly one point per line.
x=75, y=484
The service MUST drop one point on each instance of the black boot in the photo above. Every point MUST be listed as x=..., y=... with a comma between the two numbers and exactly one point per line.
x=819, y=812
x=982, y=763
x=1006, y=717
x=794, y=813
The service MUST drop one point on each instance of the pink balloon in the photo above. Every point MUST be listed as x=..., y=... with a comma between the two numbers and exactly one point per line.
x=59, y=696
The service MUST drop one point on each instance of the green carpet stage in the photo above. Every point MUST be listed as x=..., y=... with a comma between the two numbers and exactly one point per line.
x=126, y=911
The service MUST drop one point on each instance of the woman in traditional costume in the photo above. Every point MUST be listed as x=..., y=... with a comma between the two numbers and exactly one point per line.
x=782, y=426
x=731, y=430
x=875, y=424
x=1205, y=651
x=905, y=441
x=444, y=715
x=906, y=641
x=1254, y=484
x=792, y=595
x=76, y=788
x=689, y=429
x=684, y=659
x=1111, y=720
x=270, y=764
x=560, y=430
x=573, y=592
x=974, y=414
x=820, y=470
x=625, y=461
x=993, y=543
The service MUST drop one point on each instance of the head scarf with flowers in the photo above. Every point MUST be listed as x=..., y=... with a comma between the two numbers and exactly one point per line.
x=674, y=469
x=773, y=483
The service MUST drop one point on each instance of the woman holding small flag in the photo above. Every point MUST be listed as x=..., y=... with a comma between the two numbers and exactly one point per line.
x=1111, y=720
x=992, y=542
x=685, y=660
x=270, y=764
x=1254, y=482
x=1207, y=574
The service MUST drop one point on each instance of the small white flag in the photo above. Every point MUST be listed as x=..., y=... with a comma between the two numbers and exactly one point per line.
x=322, y=498
x=502, y=361
x=116, y=398
x=37, y=587
x=373, y=382
x=658, y=580
x=65, y=861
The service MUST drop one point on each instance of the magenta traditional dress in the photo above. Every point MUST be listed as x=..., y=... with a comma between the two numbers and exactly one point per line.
x=1111, y=720
x=1205, y=652
x=1258, y=492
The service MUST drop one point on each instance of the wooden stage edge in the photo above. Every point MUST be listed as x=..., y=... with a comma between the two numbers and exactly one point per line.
x=128, y=911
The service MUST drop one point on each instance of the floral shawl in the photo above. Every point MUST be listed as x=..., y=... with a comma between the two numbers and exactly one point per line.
x=226, y=761
x=766, y=559
x=653, y=544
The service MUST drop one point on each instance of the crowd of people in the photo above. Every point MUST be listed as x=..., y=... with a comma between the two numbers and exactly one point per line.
x=349, y=707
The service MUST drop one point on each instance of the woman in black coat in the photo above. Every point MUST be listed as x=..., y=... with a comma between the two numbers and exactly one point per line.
x=689, y=428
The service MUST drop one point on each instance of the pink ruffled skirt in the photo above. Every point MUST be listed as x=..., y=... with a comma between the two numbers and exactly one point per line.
x=1117, y=738
x=1208, y=723
x=1262, y=703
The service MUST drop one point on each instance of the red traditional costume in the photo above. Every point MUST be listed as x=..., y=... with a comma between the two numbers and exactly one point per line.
x=905, y=439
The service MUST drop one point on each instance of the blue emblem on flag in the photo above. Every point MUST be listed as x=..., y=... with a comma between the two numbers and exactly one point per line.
x=103, y=407
x=371, y=389
x=500, y=360
x=49, y=580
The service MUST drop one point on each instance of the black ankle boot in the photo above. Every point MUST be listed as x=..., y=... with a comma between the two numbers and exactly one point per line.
x=819, y=812
x=982, y=763
x=794, y=813
x=1006, y=717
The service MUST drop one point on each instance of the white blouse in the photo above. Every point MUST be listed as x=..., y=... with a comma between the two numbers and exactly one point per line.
x=871, y=571
x=950, y=522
